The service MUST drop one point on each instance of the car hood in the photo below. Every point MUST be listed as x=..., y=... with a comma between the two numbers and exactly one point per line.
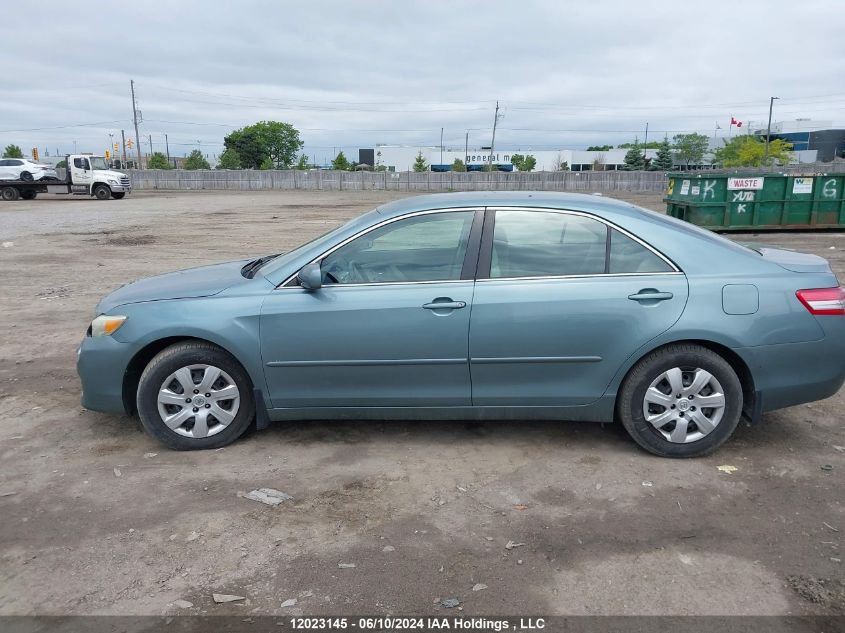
x=203, y=281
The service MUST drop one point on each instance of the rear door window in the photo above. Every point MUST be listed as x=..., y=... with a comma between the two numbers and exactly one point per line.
x=629, y=256
x=547, y=244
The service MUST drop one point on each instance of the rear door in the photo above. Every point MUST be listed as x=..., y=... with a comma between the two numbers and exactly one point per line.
x=562, y=299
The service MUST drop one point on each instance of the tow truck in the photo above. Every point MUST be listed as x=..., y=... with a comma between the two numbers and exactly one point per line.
x=85, y=175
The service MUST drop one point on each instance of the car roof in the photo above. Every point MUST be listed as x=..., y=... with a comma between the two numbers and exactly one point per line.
x=544, y=199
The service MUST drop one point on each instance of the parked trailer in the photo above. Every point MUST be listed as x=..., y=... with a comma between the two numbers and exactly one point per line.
x=735, y=202
x=85, y=175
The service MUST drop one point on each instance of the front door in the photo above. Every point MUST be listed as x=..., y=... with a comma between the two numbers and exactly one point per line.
x=388, y=328
x=567, y=299
x=81, y=173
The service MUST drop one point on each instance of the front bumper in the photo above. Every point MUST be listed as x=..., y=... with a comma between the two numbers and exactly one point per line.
x=101, y=363
x=120, y=188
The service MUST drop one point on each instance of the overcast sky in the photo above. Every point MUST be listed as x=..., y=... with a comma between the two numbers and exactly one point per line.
x=356, y=74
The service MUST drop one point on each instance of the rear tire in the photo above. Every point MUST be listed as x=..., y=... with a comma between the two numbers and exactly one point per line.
x=118, y=195
x=164, y=394
x=101, y=192
x=670, y=386
x=9, y=194
x=26, y=176
x=29, y=194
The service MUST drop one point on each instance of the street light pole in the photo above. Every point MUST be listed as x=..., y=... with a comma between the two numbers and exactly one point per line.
x=493, y=141
x=769, y=129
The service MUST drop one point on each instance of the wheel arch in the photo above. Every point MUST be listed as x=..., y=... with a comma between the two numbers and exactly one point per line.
x=142, y=358
x=751, y=405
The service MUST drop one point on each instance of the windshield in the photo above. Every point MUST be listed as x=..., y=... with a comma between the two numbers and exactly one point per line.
x=325, y=238
x=98, y=162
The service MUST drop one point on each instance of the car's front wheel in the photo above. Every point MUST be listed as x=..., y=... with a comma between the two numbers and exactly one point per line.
x=681, y=401
x=194, y=395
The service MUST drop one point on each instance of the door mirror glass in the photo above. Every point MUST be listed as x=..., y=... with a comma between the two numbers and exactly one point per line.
x=310, y=277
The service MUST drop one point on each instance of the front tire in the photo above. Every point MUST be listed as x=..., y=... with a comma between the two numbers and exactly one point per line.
x=118, y=195
x=26, y=176
x=682, y=400
x=101, y=192
x=194, y=395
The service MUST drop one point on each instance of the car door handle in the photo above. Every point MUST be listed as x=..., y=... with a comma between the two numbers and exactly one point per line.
x=650, y=294
x=447, y=304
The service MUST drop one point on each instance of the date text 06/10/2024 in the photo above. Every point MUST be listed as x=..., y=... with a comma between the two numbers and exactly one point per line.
x=399, y=623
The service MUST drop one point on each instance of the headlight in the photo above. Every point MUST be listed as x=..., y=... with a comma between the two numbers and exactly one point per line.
x=112, y=182
x=105, y=325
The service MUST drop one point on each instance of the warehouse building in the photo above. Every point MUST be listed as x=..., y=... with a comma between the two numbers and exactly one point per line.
x=807, y=136
x=402, y=157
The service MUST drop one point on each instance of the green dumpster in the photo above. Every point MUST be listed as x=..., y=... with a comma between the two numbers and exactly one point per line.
x=733, y=202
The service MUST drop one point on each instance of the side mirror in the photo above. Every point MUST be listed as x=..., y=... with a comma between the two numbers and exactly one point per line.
x=311, y=277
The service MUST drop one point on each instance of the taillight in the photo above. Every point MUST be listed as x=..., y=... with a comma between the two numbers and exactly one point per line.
x=823, y=300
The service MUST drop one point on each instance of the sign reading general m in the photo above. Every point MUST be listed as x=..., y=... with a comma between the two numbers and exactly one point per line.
x=745, y=183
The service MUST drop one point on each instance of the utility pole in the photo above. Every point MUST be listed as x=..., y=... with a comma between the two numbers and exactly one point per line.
x=167, y=147
x=441, y=146
x=493, y=141
x=135, y=121
x=769, y=129
x=150, y=136
x=645, y=144
x=123, y=145
x=466, y=150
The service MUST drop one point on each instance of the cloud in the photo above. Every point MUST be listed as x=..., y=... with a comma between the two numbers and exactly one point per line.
x=356, y=74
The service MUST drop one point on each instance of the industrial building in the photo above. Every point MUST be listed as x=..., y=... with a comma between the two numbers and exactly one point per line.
x=402, y=157
x=809, y=136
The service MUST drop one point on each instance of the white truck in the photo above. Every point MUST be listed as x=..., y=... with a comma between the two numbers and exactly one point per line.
x=85, y=175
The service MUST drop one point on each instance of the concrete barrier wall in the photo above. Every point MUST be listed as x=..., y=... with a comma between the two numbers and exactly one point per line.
x=252, y=180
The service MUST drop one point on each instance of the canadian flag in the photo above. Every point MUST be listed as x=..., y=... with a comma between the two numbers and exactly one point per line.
x=735, y=122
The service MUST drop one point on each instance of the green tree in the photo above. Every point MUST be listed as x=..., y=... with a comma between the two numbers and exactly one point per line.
x=158, y=161
x=302, y=163
x=340, y=162
x=599, y=148
x=634, y=159
x=664, y=160
x=690, y=148
x=229, y=159
x=281, y=141
x=12, y=151
x=196, y=160
x=750, y=151
x=275, y=140
x=266, y=164
x=459, y=165
x=523, y=163
x=649, y=145
x=420, y=164
x=248, y=144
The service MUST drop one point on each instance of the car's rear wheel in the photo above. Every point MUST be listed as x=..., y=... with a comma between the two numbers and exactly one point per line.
x=101, y=192
x=194, y=395
x=26, y=176
x=681, y=401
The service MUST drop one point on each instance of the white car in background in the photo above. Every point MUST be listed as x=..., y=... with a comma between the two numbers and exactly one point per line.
x=24, y=169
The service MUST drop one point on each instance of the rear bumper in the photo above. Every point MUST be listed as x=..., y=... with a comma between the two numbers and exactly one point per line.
x=101, y=364
x=794, y=373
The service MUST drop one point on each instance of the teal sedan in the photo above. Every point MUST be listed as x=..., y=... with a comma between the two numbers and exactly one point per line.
x=522, y=305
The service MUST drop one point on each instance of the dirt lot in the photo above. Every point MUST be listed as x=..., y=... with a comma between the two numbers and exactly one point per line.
x=97, y=518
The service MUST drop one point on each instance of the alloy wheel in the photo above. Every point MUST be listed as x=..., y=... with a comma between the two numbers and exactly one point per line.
x=198, y=401
x=684, y=404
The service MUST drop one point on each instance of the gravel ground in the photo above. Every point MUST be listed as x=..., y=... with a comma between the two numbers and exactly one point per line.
x=97, y=518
